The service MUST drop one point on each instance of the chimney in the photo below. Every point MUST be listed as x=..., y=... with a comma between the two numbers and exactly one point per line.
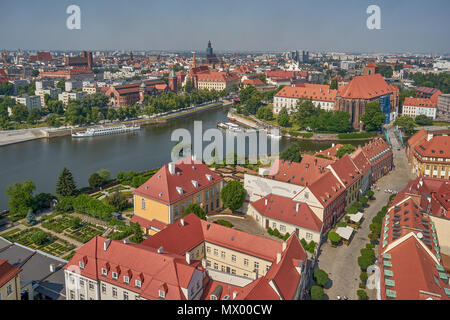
x=52, y=267
x=171, y=166
x=106, y=244
x=234, y=294
x=188, y=258
x=297, y=205
x=278, y=257
x=265, y=201
x=182, y=222
x=332, y=145
x=160, y=249
x=284, y=245
x=429, y=136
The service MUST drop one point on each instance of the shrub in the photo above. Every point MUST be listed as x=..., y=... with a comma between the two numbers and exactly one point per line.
x=362, y=295
x=370, y=194
x=316, y=293
x=370, y=246
x=342, y=224
x=363, y=276
x=233, y=195
x=368, y=253
x=334, y=237
x=65, y=205
x=364, y=262
x=375, y=228
x=196, y=209
x=321, y=277
x=224, y=223
x=39, y=237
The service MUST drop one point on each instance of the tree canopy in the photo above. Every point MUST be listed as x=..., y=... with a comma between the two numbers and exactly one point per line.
x=292, y=153
x=21, y=198
x=406, y=123
x=65, y=186
x=233, y=195
x=345, y=149
x=373, y=118
x=196, y=209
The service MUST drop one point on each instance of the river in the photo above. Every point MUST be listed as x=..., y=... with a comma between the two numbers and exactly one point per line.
x=42, y=160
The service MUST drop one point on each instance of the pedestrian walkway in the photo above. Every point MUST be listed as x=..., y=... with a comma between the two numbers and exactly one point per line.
x=341, y=263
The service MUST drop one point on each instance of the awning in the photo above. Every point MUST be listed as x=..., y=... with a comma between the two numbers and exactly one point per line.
x=345, y=232
x=356, y=217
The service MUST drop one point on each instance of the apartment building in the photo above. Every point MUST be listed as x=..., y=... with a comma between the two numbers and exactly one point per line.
x=166, y=195
x=217, y=80
x=320, y=95
x=187, y=261
x=443, y=107
x=414, y=107
x=53, y=93
x=431, y=158
x=9, y=281
x=32, y=102
x=90, y=90
x=349, y=176
x=66, y=96
x=380, y=156
x=414, y=265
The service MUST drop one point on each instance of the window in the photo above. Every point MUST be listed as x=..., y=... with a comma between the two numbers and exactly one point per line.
x=233, y=258
x=91, y=285
x=282, y=228
x=137, y=283
x=222, y=268
x=177, y=211
x=216, y=266
x=9, y=290
x=245, y=262
x=309, y=236
x=267, y=268
x=189, y=202
x=206, y=209
x=256, y=265
x=208, y=263
x=82, y=296
x=114, y=292
x=143, y=204
x=125, y=295
x=114, y=275
x=103, y=288
x=217, y=203
x=208, y=249
x=183, y=207
x=206, y=195
x=126, y=279
x=222, y=254
x=212, y=193
x=212, y=205
x=81, y=283
x=162, y=294
x=81, y=265
x=104, y=272
x=216, y=252
x=72, y=295
x=274, y=225
x=199, y=198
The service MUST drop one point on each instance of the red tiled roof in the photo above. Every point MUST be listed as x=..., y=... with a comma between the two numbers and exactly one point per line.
x=7, y=272
x=366, y=87
x=418, y=102
x=330, y=152
x=162, y=186
x=374, y=148
x=346, y=170
x=285, y=209
x=327, y=188
x=360, y=161
x=418, y=137
x=308, y=91
x=148, y=224
x=221, y=76
x=436, y=147
x=138, y=262
x=253, y=82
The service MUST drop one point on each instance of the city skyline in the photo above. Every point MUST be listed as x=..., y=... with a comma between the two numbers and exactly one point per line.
x=179, y=26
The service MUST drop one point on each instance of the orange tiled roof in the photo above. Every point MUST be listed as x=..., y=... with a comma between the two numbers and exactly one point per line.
x=419, y=102
x=308, y=91
x=366, y=87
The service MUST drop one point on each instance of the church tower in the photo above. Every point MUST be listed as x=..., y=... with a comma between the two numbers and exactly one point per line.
x=173, y=81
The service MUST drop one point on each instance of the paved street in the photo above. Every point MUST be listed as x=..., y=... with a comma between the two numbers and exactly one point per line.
x=341, y=263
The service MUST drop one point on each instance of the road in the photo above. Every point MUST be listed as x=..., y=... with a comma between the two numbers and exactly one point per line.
x=341, y=263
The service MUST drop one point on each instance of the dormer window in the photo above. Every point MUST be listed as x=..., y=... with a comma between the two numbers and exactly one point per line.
x=115, y=275
x=209, y=177
x=180, y=190
x=162, y=294
x=81, y=264
x=104, y=272
x=194, y=183
x=126, y=279
x=138, y=283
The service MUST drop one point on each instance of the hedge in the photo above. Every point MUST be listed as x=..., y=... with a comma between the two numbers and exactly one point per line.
x=356, y=135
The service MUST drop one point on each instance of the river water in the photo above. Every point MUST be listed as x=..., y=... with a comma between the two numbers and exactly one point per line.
x=42, y=160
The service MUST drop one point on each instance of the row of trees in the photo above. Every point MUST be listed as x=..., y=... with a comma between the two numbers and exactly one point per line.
x=439, y=81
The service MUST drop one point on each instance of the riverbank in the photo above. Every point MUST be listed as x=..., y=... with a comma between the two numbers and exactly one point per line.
x=255, y=123
x=8, y=137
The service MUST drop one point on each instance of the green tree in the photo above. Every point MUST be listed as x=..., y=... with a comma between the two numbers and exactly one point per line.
x=39, y=237
x=34, y=115
x=233, y=195
x=406, y=123
x=292, y=153
x=334, y=237
x=196, y=209
x=370, y=194
x=364, y=262
x=362, y=295
x=65, y=186
x=373, y=118
x=363, y=200
x=283, y=118
x=385, y=71
x=21, y=198
x=137, y=236
x=61, y=85
x=317, y=293
x=304, y=112
x=334, y=84
x=345, y=149
x=118, y=201
x=6, y=88
x=321, y=277
x=105, y=174
x=423, y=120
x=53, y=121
x=19, y=113
x=96, y=181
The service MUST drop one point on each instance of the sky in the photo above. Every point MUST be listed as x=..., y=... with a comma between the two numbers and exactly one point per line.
x=415, y=26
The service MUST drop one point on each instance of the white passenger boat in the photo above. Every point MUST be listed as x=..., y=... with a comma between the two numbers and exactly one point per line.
x=102, y=131
x=230, y=126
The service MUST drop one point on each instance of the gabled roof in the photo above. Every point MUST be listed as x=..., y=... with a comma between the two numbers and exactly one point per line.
x=7, y=272
x=327, y=188
x=360, y=161
x=419, y=102
x=366, y=87
x=436, y=147
x=289, y=211
x=347, y=172
x=190, y=176
x=315, y=92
